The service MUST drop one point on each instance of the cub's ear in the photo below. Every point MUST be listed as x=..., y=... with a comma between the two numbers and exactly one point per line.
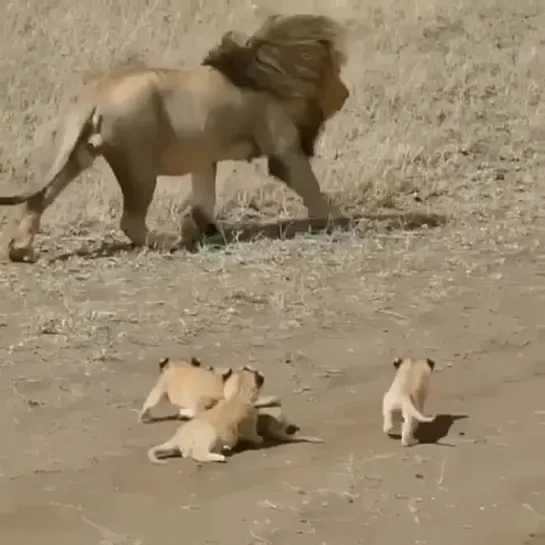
x=397, y=362
x=431, y=363
x=195, y=362
x=226, y=374
x=163, y=363
x=259, y=378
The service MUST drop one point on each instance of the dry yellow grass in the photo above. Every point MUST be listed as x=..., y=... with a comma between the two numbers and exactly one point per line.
x=445, y=99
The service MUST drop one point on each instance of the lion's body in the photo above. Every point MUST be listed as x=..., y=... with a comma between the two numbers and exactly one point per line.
x=268, y=94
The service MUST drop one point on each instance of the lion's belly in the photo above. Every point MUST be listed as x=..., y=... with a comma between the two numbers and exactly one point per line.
x=182, y=159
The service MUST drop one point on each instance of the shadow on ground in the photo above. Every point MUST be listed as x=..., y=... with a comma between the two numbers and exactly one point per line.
x=248, y=231
x=430, y=433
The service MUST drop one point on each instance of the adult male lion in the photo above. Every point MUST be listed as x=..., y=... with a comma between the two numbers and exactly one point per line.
x=268, y=94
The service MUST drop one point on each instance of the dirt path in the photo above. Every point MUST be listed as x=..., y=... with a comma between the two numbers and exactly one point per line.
x=74, y=460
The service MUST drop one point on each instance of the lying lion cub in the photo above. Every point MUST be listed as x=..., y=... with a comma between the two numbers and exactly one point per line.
x=273, y=424
x=191, y=387
x=271, y=420
x=210, y=432
x=407, y=395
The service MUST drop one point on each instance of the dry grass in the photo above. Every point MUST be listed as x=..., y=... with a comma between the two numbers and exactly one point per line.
x=445, y=106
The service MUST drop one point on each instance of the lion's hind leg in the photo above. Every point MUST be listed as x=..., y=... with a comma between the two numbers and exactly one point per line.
x=137, y=183
x=200, y=219
x=59, y=178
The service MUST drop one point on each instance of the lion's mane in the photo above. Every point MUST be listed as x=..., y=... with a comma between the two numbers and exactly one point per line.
x=288, y=56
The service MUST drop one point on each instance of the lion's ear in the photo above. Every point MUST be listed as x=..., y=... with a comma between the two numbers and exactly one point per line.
x=195, y=362
x=226, y=374
x=397, y=362
x=431, y=363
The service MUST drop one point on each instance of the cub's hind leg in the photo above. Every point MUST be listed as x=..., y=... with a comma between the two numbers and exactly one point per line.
x=155, y=395
x=407, y=431
x=203, y=443
x=387, y=416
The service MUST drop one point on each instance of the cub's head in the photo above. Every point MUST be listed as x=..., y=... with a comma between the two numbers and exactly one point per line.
x=245, y=383
x=167, y=362
x=425, y=364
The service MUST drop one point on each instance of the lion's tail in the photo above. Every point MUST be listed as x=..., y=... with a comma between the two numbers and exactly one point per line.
x=166, y=449
x=80, y=123
x=410, y=408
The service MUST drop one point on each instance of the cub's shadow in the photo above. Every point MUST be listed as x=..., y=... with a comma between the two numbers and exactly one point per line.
x=268, y=443
x=247, y=231
x=166, y=418
x=430, y=433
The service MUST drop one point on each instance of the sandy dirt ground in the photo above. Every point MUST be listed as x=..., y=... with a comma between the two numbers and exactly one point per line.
x=441, y=147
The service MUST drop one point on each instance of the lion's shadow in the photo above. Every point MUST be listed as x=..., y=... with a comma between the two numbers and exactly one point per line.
x=247, y=231
x=430, y=433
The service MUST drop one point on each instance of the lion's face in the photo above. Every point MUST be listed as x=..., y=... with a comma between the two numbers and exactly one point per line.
x=333, y=92
x=331, y=98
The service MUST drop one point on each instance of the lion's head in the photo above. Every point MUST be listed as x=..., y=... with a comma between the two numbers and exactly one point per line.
x=297, y=58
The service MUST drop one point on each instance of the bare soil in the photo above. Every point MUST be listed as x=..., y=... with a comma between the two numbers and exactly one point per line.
x=441, y=150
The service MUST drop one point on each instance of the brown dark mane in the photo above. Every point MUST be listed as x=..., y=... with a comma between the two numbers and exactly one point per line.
x=289, y=57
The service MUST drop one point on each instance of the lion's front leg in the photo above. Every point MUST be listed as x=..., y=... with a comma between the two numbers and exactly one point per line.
x=294, y=170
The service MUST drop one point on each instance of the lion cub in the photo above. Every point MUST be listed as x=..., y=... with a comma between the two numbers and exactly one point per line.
x=191, y=387
x=407, y=395
x=273, y=424
x=219, y=428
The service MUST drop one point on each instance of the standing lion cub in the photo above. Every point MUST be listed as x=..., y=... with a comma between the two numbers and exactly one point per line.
x=191, y=387
x=407, y=395
x=210, y=432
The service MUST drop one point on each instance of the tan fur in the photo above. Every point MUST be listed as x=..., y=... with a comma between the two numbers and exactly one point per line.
x=219, y=428
x=407, y=396
x=273, y=424
x=268, y=94
x=191, y=387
